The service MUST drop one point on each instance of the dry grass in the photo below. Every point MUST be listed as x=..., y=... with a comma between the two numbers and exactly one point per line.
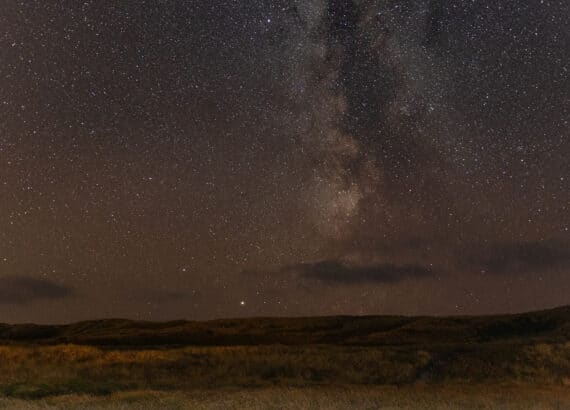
x=417, y=397
x=365, y=362
x=36, y=372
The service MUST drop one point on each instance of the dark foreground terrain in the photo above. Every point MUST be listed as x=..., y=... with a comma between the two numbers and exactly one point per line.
x=420, y=362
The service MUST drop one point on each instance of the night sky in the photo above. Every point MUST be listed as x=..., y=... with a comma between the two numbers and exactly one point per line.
x=214, y=158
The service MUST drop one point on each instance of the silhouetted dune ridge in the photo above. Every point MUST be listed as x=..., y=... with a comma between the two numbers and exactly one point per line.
x=542, y=326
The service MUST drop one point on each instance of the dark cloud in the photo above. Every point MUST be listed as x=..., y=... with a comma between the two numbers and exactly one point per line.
x=22, y=290
x=523, y=257
x=338, y=272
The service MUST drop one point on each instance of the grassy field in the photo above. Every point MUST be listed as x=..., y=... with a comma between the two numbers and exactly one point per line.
x=369, y=362
x=32, y=372
x=450, y=397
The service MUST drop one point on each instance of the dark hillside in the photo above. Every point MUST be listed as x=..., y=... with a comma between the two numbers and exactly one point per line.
x=40, y=361
x=543, y=326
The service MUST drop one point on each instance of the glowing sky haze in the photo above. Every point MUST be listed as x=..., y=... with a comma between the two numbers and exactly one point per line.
x=218, y=158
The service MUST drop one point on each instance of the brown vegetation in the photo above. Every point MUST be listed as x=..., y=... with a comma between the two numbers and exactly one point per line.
x=449, y=397
x=530, y=349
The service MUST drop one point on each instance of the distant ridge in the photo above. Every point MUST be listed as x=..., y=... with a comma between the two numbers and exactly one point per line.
x=552, y=325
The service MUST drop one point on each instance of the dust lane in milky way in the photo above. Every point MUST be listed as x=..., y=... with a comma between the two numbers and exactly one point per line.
x=207, y=159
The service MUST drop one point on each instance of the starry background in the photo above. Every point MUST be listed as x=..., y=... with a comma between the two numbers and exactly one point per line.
x=201, y=159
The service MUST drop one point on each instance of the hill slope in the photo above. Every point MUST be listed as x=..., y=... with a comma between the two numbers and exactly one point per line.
x=543, y=326
x=39, y=361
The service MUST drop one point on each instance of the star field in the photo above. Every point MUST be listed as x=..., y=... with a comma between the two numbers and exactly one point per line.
x=176, y=159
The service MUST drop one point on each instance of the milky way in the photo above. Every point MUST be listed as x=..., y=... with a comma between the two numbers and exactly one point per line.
x=207, y=159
